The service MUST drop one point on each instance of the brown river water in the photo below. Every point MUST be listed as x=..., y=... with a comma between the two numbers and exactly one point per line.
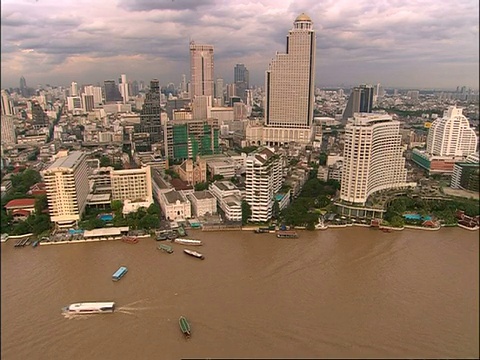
x=344, y=293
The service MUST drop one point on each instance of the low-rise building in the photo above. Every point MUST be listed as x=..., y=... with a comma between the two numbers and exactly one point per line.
x=175, y=205
x=203, y=203
x=229, y=199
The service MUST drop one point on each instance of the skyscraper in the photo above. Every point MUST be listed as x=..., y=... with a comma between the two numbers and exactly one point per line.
x=7, y=104
x=8, y=135
x=289, y=85
x=373, y=157
x=360, y=101
x=111, y=91
x=74, y=89
x=23, y=87
x=124, y=88
x=219, y=91
x=241, y=80
x=451, y=135
x=201, y=70
x=150, y=121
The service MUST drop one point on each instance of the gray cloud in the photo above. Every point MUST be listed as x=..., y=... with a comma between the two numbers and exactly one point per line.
x=361, y=41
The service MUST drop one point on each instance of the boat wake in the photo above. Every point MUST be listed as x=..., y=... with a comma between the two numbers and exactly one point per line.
x=77, y=316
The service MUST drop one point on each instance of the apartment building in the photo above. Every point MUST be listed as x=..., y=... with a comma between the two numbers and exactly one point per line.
x=229, y=199
x=263, y=180
x=67, y=185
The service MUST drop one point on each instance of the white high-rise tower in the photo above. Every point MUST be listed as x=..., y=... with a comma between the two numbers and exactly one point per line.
x=451, y=135
x=373, y=157
x=289, y=85
x=124, y=88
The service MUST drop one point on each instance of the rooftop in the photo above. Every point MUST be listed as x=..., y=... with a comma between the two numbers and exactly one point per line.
x=68, y=162
x=18, y=203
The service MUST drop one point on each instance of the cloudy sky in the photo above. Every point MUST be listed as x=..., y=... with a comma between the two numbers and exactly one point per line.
x=399, y=43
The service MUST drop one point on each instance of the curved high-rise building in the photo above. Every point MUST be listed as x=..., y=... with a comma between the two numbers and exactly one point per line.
x=373, y=158
x=451, y=135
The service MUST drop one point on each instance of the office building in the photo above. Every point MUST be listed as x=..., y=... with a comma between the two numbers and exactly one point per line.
x=289, y=85
x=219, y=92
x=39, y=117
x=88, y=102
x=66, y=182
x=451, y=135
x=124, y=88
x=7, y=132
x=201, y=107
x=241, y=81
x=262, y=182
x=134, y=185
x=111, y=91
x=23, y=87
x=150, y=115
x=229, y=199
x=360, y=101
x=201, y=70
x=188, y=139
x=74, y=89
x=372, y=158
x=96, y=91
x=7, y=103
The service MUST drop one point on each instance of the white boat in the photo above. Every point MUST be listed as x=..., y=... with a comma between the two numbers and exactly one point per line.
x=188, y=242
x=90, y=308
x=194, y=254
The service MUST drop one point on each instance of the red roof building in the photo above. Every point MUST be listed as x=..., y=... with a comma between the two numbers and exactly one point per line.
x=21, y=204
x=37, y=189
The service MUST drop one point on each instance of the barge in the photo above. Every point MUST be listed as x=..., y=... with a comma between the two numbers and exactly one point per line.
x=90, y=308
x=119, y=273
x=194, y=254
x=167, y=248
x=287, y=235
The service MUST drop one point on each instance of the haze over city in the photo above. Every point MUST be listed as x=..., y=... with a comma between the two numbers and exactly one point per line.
x=427, y=44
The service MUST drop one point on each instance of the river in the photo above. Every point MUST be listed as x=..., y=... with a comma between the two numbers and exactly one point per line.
x=345, y=293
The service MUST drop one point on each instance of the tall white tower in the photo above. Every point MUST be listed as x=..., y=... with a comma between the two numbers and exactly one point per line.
x=74, y=89
x=373, y=158
x=290, y=81
x=201, y=70
x=124, y=88
x=451, y=135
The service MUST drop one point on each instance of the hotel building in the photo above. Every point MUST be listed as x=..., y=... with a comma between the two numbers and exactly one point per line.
x=289, y=85
x=133, y=187
x=373, y=159
x=263, y=180
x=67, y=185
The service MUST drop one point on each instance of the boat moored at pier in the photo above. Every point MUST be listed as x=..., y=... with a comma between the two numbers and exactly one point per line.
x=194, y=254
x=90, y=308
x=119, y=273
x=188, y=242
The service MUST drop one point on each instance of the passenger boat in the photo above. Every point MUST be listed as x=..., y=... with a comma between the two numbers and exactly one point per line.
x=167, y=248
x=184, y=326
x=90, y=308
x=35, y=243
x=119, y=273
x=194, y=254
x=287, y=234
x=172, y=235
x=188, y=242
x=130, y=239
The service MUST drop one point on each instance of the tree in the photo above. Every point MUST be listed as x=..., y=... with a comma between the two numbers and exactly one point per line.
x=201, y=186
x=246, y=212
x=276, y=210
x=116, y=206
x=41, y=203
x=322, y=159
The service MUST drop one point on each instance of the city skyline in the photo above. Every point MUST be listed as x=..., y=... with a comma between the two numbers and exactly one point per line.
x=406, y=44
